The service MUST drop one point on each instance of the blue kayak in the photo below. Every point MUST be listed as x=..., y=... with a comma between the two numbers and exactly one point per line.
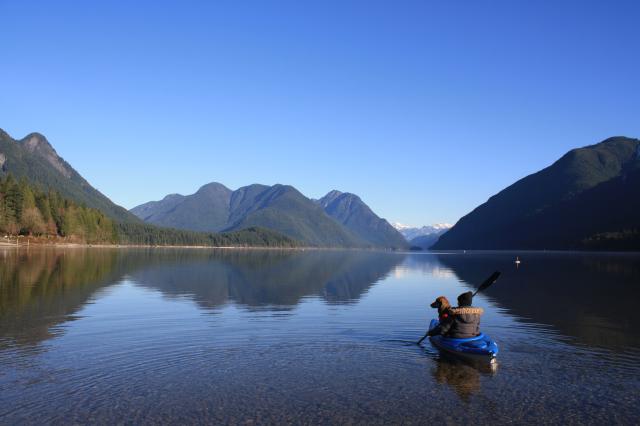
x=478, y=348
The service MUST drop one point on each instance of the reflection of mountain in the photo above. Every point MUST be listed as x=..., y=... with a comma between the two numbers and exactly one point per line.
x=590, y=297
x=42, y=288
x=428, y=264
x=269, y=278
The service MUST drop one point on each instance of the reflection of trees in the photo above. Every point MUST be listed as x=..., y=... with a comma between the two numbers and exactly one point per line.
x=269, y=277
x=42, y=288
x=589, y=296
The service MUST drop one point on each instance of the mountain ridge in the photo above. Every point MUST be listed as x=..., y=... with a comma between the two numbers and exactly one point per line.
x=337, y=219
x=355, y=215
x=216, y=208
x=412, y=232
x=515, y=217
x=40, y=171
x=34, y=158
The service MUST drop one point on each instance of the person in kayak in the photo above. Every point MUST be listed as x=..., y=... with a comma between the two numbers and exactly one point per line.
x=463, y=320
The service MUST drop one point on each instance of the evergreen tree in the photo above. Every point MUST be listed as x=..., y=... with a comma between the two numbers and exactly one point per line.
x=13, y=198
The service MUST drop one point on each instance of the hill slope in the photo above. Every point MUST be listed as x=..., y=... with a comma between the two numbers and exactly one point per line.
x=355, y=215
x=34, y=158
x=425, y=241
x=284, y=209
x=281, y=208
x=586, y=199
x=206, y=210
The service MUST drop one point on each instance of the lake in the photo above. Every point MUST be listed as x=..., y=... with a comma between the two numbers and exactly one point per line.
x=323, y=337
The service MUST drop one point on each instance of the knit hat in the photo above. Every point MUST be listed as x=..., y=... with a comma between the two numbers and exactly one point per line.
x=465, y=299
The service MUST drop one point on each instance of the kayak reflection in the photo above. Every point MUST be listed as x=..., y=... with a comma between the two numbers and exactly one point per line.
x=464, y=377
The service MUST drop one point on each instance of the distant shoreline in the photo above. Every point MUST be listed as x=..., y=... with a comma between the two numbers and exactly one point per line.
x=6, y=243
x=37, y=243
x=527, y=251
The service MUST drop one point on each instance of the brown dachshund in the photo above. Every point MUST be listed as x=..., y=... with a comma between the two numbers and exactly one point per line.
x=443, y=306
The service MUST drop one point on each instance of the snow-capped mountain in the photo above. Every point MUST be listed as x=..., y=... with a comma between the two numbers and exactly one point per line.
x=411, y=232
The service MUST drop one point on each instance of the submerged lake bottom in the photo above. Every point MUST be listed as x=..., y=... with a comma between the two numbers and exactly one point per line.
x=165, y=336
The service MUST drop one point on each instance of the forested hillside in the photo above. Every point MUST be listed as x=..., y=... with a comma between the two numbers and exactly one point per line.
x=35, y=159
x=279, y=208
x=145, y=234
x=588, y=199
x=349, y=210
x=26, y=209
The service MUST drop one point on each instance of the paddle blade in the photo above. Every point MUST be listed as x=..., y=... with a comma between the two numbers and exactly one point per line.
x=488, y=282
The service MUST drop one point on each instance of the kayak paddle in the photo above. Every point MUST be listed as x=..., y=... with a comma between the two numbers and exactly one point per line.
x=423, y=337
x=488, y=282
x=485, y=285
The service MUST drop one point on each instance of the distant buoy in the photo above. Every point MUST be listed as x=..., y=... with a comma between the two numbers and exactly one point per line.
x=517, y=262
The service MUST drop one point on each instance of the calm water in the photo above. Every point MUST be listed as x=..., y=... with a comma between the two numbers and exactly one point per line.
x=197, y=336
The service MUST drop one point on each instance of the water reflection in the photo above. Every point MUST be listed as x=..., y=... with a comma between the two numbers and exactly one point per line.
x=269, y=278
x=141, y=349
x=42, y=288
x=463, y=378
x=590, y=297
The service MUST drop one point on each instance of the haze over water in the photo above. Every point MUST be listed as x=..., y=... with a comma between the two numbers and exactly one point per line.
x=263, y=336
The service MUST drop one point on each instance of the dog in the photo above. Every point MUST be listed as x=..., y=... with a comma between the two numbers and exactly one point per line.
x=443, y=306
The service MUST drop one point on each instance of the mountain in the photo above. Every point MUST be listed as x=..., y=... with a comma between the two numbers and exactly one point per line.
x=34, y=158
x=355, y=215
x=424, y=236
x=284, y=209
x=588, y=199
x=424, y=241
x=29, y=208
x=281, y=208
x=207, y=210
x=412, y=232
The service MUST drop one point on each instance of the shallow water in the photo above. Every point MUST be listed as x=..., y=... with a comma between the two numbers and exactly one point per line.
x=209, y=336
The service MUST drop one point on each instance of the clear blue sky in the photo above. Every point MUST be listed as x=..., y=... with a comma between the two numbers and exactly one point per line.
x=424, y=109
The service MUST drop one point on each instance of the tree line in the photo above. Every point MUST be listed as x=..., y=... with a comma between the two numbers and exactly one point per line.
x=145, y=234
x=28, y=210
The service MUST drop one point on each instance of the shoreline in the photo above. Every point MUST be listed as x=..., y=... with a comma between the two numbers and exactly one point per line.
x=70, y=245
x=6, y=243
x=24, y=242
x=37, y=243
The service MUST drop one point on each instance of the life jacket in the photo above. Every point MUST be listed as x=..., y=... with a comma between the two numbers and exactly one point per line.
x=465, y=322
